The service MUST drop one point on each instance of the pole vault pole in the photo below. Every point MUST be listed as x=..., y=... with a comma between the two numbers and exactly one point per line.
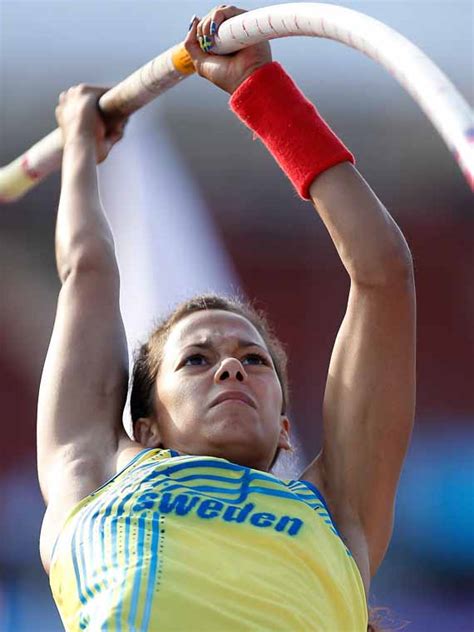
x=417, y=74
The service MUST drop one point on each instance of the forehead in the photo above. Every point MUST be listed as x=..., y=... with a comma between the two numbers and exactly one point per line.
x=212, y=326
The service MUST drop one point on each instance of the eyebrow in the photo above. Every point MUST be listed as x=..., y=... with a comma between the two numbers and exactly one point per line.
x=240, y=343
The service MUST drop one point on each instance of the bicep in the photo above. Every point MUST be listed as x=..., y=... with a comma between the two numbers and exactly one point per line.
x=84, y=381
x=368, y=405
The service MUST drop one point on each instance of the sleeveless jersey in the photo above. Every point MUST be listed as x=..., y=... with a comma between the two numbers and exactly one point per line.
x=199, y=544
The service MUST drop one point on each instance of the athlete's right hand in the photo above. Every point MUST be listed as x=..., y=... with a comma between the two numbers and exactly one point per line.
x=225, y=71
x=78, y=116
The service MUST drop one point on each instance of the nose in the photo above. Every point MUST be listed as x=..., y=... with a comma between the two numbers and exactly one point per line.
x=230, y=369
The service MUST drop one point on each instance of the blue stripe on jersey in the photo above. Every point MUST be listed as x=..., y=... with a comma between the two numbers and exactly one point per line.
x=203, y=463
x=96, y=546
x=118, y=614
x=321, y=498
x=108, y=510
x=331, y=522
x=138, y=575
x=316, y=491
x=77, y=552
x=105, y=515
x=76, y=570
x=79, y=546
x=155, y=529
x=88, y=543
x=243, y=494
x=86, y=522
x=78, y=560
x=79, y=541
x=121, y=508
x=192, y=477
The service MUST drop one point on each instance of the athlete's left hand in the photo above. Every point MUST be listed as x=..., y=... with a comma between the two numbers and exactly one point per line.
x=78, y=116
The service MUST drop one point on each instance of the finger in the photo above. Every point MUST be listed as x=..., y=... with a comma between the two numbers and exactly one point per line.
x=99, y=90
x=220, y=14
x=224, y=12
x=191, y=43
x=88, y=89
x=204, y=34
x=204, y=42
x=214, y=26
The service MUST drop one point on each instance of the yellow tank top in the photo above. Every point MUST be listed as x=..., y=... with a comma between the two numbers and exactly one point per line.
x=199, y=544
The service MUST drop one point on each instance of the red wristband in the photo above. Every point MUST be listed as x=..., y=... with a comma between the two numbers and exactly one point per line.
x=272, y=106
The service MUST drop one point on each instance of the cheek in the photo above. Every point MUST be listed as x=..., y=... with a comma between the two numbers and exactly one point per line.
x=177, y=393
x=273, y=396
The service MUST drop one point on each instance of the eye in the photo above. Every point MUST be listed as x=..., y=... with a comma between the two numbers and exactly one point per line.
x=197, y=359
x=255, y=358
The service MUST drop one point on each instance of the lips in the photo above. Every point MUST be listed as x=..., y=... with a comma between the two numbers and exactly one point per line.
x=234, y=395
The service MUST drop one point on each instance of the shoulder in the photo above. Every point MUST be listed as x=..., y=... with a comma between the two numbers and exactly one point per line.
x=344, y=518
x=82, y=482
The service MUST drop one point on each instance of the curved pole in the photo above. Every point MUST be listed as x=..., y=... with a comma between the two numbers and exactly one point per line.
x=430, y=88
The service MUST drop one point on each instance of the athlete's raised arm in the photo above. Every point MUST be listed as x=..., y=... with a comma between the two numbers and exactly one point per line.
x=84, y=381
x=368, y=407
x=369, y=400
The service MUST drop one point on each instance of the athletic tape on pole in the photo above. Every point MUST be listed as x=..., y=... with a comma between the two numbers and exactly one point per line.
x=418, y=75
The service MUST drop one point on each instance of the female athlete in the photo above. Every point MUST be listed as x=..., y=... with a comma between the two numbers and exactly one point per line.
x=184, y=527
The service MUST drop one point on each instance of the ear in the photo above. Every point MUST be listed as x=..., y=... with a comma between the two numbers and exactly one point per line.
x=284, y=439
x=147, y=433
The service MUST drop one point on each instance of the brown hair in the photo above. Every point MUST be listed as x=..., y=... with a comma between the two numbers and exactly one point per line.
x=150, y=354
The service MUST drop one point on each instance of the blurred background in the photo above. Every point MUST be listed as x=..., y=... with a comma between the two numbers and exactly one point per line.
x=196, y=205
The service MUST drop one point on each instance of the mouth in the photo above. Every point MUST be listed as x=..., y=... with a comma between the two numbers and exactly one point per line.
x=237, y=402
x=234, y=397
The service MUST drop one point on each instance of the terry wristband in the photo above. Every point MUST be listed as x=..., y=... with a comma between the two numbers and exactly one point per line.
x=275, y=109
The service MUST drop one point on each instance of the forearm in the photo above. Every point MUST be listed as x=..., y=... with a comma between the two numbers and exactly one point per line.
x=369, y=242
x=320, y=167
x=83, y=235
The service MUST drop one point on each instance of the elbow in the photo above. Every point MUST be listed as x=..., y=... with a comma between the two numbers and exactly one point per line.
x=397, y=268
x=96, y=257
x=393, y=267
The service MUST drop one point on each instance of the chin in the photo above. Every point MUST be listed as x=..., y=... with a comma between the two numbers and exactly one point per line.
x=242, y=450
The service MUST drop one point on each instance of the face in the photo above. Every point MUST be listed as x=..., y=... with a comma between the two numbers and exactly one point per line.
x=217, y=392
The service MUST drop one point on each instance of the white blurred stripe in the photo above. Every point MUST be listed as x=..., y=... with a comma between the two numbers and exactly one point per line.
x=167, y=246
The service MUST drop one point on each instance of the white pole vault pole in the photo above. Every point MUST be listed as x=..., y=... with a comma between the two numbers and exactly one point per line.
x=418, y=75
